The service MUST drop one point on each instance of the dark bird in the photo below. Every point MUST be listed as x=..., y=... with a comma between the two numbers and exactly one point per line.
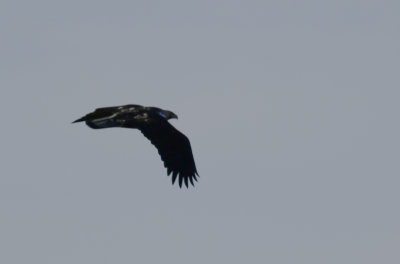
x=173, y=146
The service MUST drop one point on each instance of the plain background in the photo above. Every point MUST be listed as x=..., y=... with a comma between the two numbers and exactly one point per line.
x=292, y=109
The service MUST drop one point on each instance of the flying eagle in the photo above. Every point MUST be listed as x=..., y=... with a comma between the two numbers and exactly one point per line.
x=173, y=146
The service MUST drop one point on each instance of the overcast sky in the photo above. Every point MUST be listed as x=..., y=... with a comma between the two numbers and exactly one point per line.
x=292, y=109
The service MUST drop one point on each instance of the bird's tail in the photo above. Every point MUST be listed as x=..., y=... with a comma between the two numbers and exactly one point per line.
x=80, y=119
x=99, y=119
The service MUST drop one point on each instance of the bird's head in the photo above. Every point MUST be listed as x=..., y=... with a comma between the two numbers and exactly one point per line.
x=167, y=114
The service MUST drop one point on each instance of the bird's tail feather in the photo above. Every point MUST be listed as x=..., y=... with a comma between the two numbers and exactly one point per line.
x=97, y=122
x=80, y=119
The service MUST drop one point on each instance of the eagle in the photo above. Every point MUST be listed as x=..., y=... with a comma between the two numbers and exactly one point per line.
x=172, y=145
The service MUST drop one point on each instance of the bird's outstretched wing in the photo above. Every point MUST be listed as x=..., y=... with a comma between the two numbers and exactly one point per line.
x=174, y=149
x=99, y=113
x=109, y=116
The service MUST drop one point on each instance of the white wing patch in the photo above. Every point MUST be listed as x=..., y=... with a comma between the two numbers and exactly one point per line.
x=105, y=121
x=105, y=118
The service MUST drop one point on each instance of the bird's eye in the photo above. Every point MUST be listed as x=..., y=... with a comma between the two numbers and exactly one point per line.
x=162, y=114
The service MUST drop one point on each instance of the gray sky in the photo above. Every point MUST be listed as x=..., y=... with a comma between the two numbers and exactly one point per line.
x=292, y=109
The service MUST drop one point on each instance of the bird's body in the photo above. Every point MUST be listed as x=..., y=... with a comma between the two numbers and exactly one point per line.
x=173, y=146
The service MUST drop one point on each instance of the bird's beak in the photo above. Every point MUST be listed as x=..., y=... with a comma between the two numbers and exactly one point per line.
x=174, y=116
